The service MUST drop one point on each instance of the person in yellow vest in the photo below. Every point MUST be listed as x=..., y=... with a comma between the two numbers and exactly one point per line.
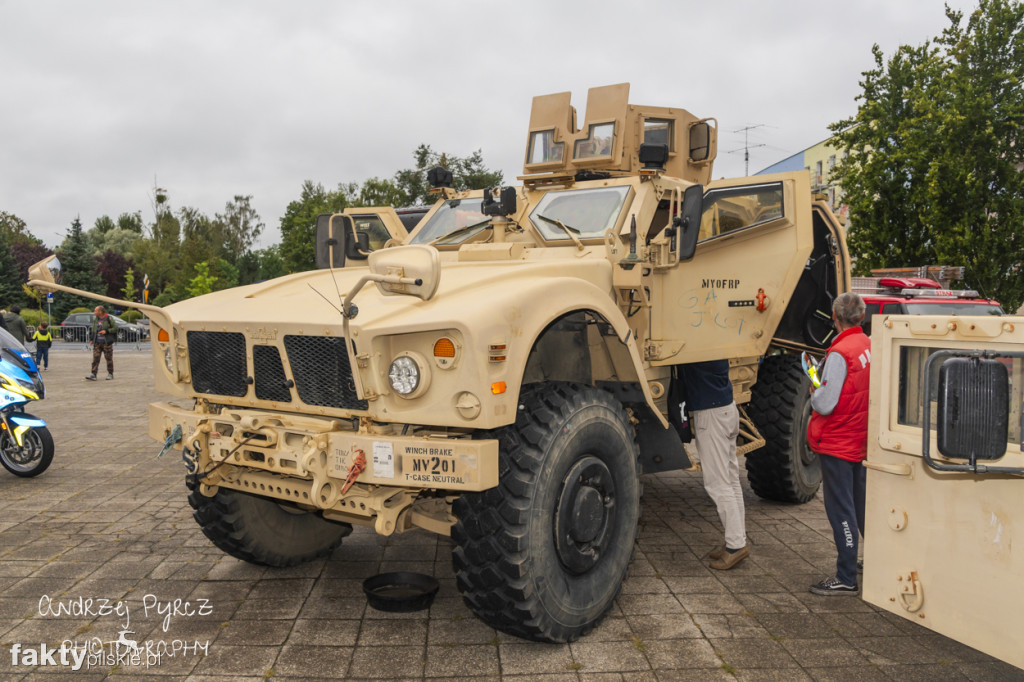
x=43, y=341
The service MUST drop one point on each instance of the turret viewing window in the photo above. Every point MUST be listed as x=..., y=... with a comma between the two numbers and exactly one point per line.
x=544, y=149
x=597, y=144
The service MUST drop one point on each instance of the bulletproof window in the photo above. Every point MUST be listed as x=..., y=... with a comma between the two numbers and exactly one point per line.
x=911, y=377
x=590, y=211
x=451, y=216
x=735, y=208
x=598, y=142
x=659, y=131
x=544, y=149
x=374, y=228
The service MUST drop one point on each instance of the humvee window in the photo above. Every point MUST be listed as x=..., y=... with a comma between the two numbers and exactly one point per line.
x=658, y=131
x=734, y=208
x=591, y=211
x=911, y=386
x=598, y=142
x=453, y=215
x=544, y=149
x=374, y=228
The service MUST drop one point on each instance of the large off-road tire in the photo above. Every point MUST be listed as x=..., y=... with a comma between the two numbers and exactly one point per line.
x=33, y=457
x=785, y=469
x=543, y=555
x=261, y=531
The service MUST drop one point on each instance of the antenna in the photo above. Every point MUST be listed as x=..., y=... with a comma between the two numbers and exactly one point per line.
x=747, y=146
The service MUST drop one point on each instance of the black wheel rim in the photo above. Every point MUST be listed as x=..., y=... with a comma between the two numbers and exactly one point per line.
x=25, y=458
x=585, y=514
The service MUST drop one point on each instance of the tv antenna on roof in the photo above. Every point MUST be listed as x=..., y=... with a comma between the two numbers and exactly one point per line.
x=747, y=146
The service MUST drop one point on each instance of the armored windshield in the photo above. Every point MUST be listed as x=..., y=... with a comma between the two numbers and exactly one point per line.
x=451, y=216
x=590, y=211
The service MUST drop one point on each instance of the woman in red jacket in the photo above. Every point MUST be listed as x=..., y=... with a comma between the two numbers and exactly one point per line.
x=838, y=432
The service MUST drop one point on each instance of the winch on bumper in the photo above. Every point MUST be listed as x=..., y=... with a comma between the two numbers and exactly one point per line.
x=369, y=476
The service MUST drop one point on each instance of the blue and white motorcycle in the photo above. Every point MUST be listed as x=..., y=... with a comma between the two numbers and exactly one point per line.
x=26, y=446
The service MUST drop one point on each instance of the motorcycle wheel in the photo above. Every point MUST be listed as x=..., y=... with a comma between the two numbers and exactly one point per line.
x=32, y=458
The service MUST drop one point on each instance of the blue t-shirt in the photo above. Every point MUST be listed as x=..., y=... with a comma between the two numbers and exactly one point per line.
x=706, y=384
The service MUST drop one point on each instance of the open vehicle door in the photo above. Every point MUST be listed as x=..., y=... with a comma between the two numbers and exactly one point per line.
x=722, y=302
x=945, y=481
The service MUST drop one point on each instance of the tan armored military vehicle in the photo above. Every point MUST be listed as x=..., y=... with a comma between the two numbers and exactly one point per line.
x=502, y=375
x=944, y=492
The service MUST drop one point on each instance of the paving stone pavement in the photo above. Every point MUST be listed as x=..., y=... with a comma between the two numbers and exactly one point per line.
x=109, y=521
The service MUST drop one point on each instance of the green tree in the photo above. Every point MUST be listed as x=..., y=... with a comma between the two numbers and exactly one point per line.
x=976, y=178
x=203, y=282
x=10, y=282
x=78, y=268
x=130, y=221
x=382, y=192
x=159, y=255
x=935, y=173
x=238, y=227
x=128, y=292
x=467, y=173
x=17, y=231
x=225, y=274
x=104, y=224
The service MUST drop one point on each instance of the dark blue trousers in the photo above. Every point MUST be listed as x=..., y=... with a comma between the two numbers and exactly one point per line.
x=843, y=484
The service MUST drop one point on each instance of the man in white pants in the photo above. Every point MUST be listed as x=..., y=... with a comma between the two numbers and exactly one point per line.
x=716, y=424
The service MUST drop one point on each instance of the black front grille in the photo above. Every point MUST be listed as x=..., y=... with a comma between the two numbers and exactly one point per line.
x=217, y=360
x=268, y=373
x=322, y=373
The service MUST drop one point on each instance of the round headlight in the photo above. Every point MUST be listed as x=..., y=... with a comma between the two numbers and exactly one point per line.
x=404, y=375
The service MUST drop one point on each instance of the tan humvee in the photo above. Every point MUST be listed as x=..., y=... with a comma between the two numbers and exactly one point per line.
x=508, y=374
x=945, y=514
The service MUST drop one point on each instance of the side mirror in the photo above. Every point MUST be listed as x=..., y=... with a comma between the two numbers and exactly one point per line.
x=46, y=270
x=417, y=265
x=333, y=232
x=689, y=221
x=358, y=248
x=973, y=408
x=700, y=141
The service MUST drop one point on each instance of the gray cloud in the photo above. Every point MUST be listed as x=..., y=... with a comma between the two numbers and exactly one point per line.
x=100, y=100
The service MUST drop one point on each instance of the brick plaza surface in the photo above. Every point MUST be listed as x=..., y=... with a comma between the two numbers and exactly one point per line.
x=110, y=521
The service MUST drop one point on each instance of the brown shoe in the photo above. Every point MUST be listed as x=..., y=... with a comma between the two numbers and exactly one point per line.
x=717, y=553
x=730, y=559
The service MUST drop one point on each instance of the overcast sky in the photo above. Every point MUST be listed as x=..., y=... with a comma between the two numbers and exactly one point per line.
x=99, y=100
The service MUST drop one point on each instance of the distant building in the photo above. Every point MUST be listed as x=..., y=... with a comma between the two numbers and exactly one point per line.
x=819, y=160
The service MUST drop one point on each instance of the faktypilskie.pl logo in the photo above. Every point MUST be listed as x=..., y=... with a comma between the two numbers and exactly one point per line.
x=125, y=651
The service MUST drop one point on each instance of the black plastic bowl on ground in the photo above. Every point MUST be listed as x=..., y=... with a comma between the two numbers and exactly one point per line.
x=400, y=592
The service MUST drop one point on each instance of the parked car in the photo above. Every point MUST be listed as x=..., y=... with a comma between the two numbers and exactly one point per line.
x=73, y=324
x=918, y=296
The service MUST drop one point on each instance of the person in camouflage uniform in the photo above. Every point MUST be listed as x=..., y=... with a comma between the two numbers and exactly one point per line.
x=104, y=333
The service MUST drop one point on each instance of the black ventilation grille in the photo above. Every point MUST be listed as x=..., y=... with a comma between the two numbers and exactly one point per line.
x=217, y=360
x=268, y=372
x=322, y=373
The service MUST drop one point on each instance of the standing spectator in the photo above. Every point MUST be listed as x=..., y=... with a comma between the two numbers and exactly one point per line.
x=104, y=333
x=16, y=325
x=43, y=341
x=716, y=424
x=838, y=432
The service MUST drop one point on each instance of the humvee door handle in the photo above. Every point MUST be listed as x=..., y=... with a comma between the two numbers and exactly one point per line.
x=894, y=469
